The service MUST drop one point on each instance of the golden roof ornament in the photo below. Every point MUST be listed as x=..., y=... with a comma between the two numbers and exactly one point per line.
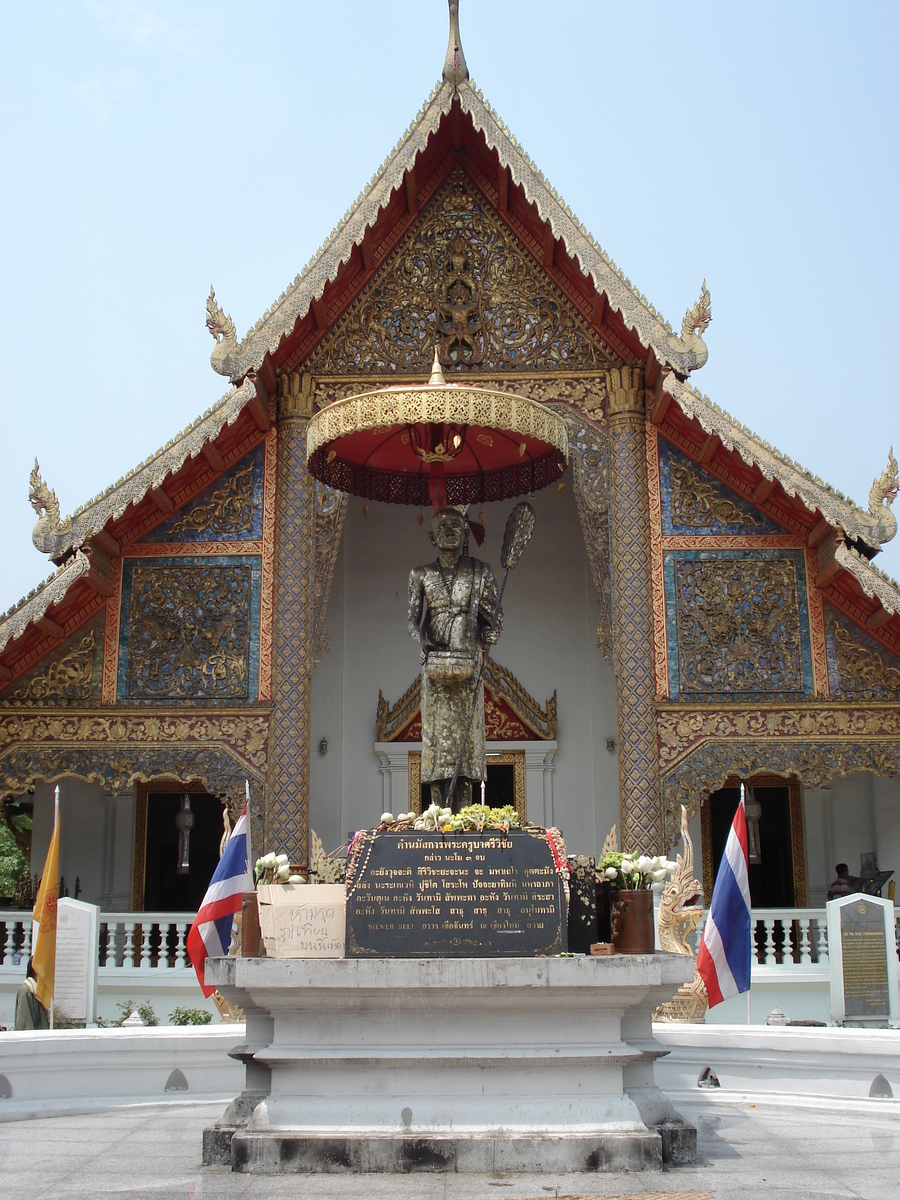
x=882, y=495
x=437, y=375
x=455, y=69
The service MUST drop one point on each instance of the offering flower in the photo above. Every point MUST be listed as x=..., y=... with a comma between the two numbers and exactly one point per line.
x=635, y=872
x=275, y=868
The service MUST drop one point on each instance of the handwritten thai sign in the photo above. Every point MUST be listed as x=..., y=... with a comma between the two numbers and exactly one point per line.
x=302, y=920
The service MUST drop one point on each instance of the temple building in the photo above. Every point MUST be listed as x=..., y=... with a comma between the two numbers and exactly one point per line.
x=694, y=609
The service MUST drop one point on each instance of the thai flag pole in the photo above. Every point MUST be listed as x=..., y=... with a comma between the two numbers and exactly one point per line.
x=723, y=959
x=210, y=934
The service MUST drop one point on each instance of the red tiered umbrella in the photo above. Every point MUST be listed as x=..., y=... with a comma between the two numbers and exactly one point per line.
x=437, y=443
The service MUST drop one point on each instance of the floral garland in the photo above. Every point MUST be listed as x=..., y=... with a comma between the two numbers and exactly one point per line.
x=560, y=859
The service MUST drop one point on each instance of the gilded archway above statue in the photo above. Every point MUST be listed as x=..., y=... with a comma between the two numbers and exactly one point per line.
x=510, y=712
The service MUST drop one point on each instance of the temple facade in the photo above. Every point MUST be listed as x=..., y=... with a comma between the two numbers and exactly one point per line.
x=694, y=610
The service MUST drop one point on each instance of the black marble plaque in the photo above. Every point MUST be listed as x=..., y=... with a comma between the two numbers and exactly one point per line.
x=864, y=959
x=468, y=895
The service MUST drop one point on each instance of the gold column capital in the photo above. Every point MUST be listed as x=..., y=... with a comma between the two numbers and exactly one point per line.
x=295, y=395
x=625, y=387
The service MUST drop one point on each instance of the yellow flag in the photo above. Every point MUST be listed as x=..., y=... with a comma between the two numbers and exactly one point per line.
x=43, y=951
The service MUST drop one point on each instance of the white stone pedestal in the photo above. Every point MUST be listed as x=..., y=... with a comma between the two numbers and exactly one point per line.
x=450, y=1064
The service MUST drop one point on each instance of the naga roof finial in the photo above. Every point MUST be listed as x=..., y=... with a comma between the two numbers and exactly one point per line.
x=221, y=326
x=44, y=502
x=455, y=69
x=882, y=495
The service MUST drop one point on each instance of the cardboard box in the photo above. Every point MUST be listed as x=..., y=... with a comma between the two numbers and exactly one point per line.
x=302, y=920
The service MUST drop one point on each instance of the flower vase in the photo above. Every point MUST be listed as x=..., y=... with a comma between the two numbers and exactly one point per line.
x=632, y=922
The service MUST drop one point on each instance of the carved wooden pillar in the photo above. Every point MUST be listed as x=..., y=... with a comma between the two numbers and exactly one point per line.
x=640, y=804
x=287, y=801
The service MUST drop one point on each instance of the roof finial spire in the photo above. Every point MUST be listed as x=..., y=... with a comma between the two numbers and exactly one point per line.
x=437, y=375
x=455, y=69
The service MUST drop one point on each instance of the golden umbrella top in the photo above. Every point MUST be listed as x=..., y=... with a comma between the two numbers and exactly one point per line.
x=437, y=443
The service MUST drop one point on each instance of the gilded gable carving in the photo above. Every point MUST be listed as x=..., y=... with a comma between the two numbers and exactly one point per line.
x=738, y=625
x=228, y=510
x=698, y=505
x=857, y=665
x=461, y=278
x=695, y=502
x=188, y=632
x=70, y=676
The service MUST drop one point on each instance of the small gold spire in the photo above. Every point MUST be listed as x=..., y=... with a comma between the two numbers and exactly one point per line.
x=455, y=69
x=437, y=375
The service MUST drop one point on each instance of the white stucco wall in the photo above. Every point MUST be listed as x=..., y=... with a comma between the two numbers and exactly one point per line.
x=853, y=816
x=96, y=839
x=549, y=642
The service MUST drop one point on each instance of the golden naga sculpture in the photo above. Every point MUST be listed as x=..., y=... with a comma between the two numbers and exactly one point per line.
x=882, y=495
x=221, y=326
x=694, y=324
x=680, y=910
x=44, y=502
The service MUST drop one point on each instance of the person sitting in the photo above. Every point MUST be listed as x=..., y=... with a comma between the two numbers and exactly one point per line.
x=841, y=885
x=30, y=1013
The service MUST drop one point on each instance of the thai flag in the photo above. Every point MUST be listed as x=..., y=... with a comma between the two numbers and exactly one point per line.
x=210, y=934
x=723, y=959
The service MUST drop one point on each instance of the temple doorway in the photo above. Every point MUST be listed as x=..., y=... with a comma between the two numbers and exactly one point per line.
x=159, y=885
x=778, y=880
x=504, y=785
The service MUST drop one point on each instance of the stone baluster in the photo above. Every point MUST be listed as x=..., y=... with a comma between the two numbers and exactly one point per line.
x=128, y=956
x=804, y=939
x=181, y=958
x=146, y=930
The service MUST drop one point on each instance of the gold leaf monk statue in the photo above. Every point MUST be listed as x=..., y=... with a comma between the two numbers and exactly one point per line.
x=454, y=613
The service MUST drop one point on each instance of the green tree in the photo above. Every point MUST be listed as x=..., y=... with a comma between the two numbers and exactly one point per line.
x=13, y=862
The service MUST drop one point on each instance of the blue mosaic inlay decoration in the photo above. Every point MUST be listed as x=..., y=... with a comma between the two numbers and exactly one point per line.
x=693, y=501
x=190, y=629
x=229, y=510
x=737, y=624
x=858, y=666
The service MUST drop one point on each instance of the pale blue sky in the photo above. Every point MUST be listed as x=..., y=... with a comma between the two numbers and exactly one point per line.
x=150, y=149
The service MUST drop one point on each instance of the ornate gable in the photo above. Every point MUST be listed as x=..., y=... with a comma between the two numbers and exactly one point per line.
x=461, y=275
x=67, y=677
x=694, y=502
x=510, y=713
x=229, y=510
x=858, y=666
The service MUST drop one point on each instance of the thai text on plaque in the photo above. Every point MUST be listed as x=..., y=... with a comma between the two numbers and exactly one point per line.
x=423, y=895
x=864, y=958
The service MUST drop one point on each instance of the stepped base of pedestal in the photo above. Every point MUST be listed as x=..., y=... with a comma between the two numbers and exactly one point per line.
x=463, y=1065
x=288, y=1152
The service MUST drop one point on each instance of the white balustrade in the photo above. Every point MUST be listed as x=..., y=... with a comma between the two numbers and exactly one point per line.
x=145, y=943
x=789, y=937
x=137, y=943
